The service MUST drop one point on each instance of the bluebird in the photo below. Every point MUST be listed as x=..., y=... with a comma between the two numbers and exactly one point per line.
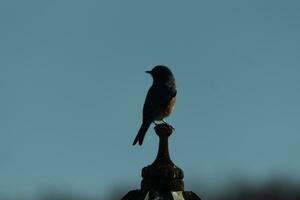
x=160, y=100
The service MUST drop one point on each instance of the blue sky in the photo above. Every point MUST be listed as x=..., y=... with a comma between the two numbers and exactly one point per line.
x=72, y=88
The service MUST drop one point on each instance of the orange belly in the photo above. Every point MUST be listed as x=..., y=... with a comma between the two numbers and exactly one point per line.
x=169, y=108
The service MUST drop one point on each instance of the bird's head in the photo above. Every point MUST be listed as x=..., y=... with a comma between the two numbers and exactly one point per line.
x=160, y=73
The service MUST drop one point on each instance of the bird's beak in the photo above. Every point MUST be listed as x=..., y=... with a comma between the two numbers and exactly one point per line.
x=148, y=72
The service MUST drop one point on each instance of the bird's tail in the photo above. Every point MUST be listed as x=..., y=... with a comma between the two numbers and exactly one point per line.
x=141, y=134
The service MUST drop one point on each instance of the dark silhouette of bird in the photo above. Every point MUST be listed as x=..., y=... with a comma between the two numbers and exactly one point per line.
x=160, y=99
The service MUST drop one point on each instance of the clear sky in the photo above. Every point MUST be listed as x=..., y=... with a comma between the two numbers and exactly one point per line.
x=72, y=86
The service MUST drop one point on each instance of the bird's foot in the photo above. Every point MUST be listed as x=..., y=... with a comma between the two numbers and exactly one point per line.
x=172, y=127
x=168, y=125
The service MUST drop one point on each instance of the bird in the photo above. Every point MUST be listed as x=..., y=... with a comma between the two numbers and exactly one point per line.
x=160, y=100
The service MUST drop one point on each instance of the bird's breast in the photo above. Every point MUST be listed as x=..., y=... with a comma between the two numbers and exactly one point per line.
x=168, y=109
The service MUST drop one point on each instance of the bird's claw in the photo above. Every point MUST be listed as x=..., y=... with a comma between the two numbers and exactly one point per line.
x=165, y=123
x=172, y=127
x=168, y=125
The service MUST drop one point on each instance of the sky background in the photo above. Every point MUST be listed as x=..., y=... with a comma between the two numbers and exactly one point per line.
x=72, y=87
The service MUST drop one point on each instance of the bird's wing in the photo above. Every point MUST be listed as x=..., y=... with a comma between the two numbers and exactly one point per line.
x=157, y=99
